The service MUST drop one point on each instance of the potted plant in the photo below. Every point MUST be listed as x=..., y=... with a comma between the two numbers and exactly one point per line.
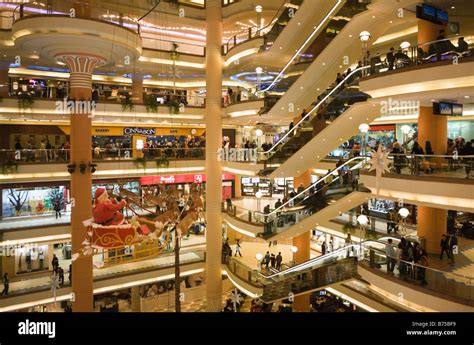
x=175, y=105
x=9, y=167
x=348, y=228
x=151, y=104
x=25, y=100
x=140, y=162
x=127, y=104
x=162, y=162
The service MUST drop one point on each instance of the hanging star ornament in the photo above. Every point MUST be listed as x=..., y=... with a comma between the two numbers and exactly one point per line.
x=236, y=299
x=379, y=162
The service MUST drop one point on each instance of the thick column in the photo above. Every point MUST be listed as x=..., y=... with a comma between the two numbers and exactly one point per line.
x=137, y=88
x=304, y=179
x=303, y=243
x=238, y=186
x=4, y=87
x=81, y=67
x=136, y=307
x=428, y=32
x=432, y=224
x=433, y=128
x=213, y=166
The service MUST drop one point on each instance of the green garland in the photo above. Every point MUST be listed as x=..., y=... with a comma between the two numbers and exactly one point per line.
x=9, y=167
x=140, y=162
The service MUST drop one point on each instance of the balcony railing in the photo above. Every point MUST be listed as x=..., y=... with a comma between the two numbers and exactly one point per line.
x=11, y=158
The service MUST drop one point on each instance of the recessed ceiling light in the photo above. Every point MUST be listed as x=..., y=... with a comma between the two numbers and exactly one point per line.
x=467, y=97
x=453, y=7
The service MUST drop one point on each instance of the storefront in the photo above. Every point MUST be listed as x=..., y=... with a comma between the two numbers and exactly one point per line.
x=34, y=201
x=183, y=183
x=283, y=186
x=333, y=242
x=251, y=185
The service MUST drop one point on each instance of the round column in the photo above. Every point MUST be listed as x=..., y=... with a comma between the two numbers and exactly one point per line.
x=81, y=67
x=303, y=243
x=213, y=166
x=137, y=88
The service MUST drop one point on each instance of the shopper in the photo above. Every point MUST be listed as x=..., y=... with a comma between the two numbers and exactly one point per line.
x=55, y=263
x=237, y=249
x=279, y=259
x=266, y=260
x=444, y=247
x=61, y=276
x=6, y=284
x=70, y=273
x=324, y=248
x=273, y=260
x=422, y=260
x=57, y=208
x=391, y=256
x=467, y=150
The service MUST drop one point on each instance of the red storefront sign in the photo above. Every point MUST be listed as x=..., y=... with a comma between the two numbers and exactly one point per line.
x=172, y=179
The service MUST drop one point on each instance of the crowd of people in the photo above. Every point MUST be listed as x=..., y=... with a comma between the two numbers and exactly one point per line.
x=411, y=259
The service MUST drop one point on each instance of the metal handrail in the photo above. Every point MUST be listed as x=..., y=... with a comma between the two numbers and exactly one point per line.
x=303, y=119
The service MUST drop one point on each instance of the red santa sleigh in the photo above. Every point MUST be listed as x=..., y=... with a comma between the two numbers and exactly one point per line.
x=108, y=229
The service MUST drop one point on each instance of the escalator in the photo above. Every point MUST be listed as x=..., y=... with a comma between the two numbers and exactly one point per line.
x=331, y=104
x=311, y=275
x=315, y=44
x=336, y=192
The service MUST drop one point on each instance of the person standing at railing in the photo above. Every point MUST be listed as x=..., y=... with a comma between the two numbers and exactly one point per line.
x=391, y=256
x=462, y=45
x=391, y=58
x=237, y=249
x=421, y=258
x=416, y=150
x=398, y=158
x=444, y=247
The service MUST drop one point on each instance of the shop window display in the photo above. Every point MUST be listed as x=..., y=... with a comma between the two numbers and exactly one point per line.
x=19, y=202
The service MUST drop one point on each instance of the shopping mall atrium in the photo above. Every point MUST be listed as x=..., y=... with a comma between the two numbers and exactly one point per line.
x=237, y=156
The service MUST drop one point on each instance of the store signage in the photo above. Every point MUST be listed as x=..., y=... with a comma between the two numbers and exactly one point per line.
x=172, y=179
x=102, y=130
x=139, y=131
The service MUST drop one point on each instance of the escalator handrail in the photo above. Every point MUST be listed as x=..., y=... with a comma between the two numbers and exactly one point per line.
x=362, y=159
x=315, y=108
x=357, y=166
x=303, y=46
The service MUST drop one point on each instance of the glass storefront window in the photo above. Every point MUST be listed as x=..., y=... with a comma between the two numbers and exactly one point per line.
x=33, y=201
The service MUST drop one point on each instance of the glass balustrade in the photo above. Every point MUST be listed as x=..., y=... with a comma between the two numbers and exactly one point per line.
x=448, y=49
x=115, y=263
x=337, y=183
x=10, y=159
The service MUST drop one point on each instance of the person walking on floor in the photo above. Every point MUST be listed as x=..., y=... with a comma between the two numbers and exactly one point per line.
x=279, y=259
x=6, y=284
x=266, y=260
x=444, y=246
x=237, y=249
x=273, y=260
x=55, y=263
x=391, y=256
